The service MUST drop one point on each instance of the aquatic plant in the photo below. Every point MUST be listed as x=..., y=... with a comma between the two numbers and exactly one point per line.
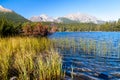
x=101, y=48
x=29, y=58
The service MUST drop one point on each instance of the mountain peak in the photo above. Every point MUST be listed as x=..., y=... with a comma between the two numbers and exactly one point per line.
x=75, y=17
x=85, y=18
x=42, y=17
x=2, y=9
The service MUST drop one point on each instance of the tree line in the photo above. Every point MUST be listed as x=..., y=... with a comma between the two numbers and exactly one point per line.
x=9, y=28
x=107, y=26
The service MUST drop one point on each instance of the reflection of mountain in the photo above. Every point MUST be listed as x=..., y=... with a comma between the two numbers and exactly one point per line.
x=11, y=15
x=71, y=18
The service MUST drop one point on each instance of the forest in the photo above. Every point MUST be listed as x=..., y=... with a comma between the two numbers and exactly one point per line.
x=107, y=26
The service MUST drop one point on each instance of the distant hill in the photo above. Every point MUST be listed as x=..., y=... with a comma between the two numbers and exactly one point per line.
x=11, y=15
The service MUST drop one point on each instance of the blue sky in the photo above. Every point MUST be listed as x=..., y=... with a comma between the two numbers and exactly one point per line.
x=103, y=9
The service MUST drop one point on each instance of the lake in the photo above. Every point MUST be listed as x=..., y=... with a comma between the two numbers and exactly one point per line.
x=90, y=55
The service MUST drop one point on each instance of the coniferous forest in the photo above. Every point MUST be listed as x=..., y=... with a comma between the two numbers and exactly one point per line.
x=107, y=26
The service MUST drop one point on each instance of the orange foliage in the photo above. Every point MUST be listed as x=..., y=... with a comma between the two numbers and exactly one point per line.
x=38, y=29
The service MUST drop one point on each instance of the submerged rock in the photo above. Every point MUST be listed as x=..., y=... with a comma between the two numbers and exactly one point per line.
x=86, y=70
x=79, y=76
x=76, y=69
x=103, y=76
x=116, y=74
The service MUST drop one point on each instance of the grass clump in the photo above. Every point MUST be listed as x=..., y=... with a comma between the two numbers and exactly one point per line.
x=28, y=59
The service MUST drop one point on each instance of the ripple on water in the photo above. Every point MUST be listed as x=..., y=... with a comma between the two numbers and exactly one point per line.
x=90, y=67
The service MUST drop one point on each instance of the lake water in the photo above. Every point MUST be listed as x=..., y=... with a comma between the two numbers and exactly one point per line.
x=94, y=56
x=89, y=35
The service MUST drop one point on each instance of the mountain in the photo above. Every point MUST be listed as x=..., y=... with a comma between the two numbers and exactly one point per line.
x=44, y=18
x=71, y=18
x=83, y=18
x=66, y=20
x=11, y=15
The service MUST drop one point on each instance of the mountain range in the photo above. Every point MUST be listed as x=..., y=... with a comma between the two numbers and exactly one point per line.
x=70, y=18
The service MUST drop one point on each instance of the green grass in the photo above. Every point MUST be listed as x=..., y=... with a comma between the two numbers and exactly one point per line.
x=29, y=58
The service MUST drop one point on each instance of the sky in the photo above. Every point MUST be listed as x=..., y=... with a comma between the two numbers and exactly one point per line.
x=102, y=9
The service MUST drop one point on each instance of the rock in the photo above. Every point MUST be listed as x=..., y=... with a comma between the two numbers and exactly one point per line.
x=13, y=78
x=116, y=74
x=85, y=77
x=104, y=76
x=96, y=74
x=79, y=76
x=76, y=69
x=78, y=64
x=86, y=70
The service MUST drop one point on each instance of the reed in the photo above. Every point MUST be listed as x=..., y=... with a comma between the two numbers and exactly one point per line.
x=99, y=48
x=29, y=58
